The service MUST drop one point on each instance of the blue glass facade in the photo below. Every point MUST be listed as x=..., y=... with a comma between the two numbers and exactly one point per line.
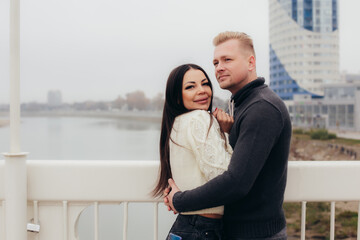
x=281, y=83
x=306, y=8
x=308, y=14
x=334, y=15
x=294, y=10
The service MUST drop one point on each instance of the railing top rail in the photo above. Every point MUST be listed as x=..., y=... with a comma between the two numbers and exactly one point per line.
x=115, y=181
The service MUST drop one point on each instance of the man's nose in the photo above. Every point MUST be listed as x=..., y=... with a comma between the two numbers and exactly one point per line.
x=219, y=67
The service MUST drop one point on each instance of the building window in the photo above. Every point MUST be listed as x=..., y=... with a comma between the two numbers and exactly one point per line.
x=341, y=115
x=316, y=109
x=332, y=116
x=324, y=109
x=350, y=116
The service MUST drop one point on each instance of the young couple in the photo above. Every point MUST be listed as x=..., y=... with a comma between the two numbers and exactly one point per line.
x=231, y=170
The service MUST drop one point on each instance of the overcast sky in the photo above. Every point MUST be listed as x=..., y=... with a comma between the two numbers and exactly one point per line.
x=100, y=49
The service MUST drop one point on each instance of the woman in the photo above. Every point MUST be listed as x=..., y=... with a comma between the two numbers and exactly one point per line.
x=193, y=147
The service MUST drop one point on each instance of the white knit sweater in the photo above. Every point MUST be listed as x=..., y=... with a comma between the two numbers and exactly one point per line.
x=198, y=154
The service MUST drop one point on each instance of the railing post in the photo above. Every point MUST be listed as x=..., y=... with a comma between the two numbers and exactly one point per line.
x=96, y=220
x=15, y=161
x=332, y=221
x=358, y=228
x=156, y=220
x=126, y=217
x=303, y=220
x=65, y=220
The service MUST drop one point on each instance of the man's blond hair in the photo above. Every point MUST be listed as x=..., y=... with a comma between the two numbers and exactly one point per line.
x=244, y=40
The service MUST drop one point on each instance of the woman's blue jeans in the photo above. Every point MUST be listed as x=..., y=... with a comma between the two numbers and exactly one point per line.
x=196, y=227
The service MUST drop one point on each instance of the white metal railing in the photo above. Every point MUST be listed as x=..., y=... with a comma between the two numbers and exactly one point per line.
x=58, y=191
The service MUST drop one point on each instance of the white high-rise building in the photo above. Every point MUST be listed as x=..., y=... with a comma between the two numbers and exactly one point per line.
x=304, y=46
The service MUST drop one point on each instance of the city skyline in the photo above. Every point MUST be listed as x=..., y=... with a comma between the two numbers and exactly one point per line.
x=94, y=50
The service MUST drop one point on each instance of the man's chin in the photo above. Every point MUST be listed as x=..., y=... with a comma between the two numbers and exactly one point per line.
x=224, y=86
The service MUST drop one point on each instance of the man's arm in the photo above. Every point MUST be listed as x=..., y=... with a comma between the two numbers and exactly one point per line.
x=261, y=125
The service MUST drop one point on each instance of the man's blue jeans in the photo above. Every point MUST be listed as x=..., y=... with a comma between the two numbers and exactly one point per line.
x=279, y=236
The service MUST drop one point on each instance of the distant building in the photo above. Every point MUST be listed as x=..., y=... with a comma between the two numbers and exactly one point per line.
x=338, y=110
x=304, y=46
x=350, y=78
x=54, y=98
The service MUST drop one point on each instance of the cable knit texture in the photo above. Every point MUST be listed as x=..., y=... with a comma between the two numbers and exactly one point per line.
x=197, y=153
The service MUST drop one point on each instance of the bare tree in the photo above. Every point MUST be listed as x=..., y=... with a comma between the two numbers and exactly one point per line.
x=157, y=102
x=137, y=100
x=118, y=103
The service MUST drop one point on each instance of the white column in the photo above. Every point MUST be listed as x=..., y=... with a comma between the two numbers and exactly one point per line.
x=15, y=196
x=15, y=161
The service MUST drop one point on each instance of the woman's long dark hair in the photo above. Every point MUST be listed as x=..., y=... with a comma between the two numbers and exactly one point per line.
x=173, y=107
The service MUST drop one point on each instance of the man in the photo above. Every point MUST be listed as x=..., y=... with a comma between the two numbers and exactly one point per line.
x=252, y=189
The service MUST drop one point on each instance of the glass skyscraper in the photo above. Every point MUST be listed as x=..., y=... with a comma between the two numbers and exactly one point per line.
x=304, y=46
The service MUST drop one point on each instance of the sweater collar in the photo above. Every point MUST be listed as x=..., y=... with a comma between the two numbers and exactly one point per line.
x=246, y=90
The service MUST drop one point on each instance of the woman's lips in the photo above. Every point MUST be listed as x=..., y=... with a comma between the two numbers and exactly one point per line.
x=202, y=100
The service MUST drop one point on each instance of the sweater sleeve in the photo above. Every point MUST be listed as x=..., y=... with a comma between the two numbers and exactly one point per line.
x=207, y=146
x=261, y=125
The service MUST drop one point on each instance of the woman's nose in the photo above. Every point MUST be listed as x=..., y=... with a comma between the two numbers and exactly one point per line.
x=201, y=89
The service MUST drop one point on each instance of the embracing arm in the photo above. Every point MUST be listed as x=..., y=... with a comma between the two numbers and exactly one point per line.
x=261, y=126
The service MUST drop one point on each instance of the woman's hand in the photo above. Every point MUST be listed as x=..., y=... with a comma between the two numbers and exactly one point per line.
x=224, y=119
x=169, y=194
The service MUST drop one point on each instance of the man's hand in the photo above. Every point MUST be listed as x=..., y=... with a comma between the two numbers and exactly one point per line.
x=224, y=119
x=169, y=194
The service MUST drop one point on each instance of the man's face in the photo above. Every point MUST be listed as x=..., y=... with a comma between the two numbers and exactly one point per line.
x=231, y=64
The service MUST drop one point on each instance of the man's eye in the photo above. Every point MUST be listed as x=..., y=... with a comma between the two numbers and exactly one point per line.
x=215, y=64
x=227, y=59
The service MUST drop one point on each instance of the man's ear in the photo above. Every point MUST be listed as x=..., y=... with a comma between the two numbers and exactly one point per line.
x=252, y=63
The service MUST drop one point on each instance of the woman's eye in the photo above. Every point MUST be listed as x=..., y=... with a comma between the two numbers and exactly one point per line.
x=189, y=87
x=206, y=84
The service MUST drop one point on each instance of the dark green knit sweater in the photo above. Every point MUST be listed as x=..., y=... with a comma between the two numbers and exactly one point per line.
x=252, y=189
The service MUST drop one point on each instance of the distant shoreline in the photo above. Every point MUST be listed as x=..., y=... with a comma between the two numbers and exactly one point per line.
x=128, y=115
x=4, y=122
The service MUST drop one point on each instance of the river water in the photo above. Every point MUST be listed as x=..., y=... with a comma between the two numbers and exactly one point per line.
x=80, y=138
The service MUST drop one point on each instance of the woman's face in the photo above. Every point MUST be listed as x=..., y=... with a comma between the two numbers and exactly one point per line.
x=196, y=91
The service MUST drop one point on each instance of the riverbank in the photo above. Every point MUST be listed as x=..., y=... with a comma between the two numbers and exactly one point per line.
x=146, y=116
x=4, y=122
